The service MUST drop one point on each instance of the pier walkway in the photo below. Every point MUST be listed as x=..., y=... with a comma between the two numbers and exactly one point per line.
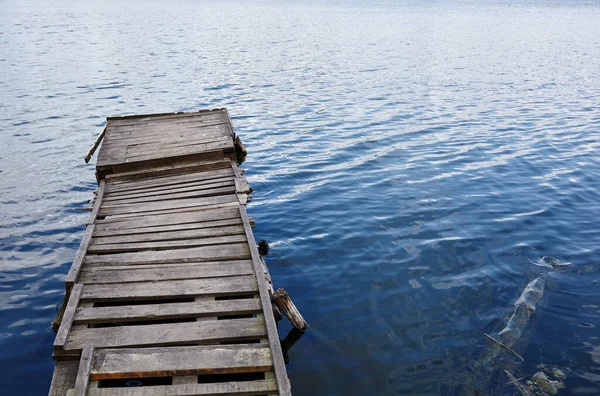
x=168, y=294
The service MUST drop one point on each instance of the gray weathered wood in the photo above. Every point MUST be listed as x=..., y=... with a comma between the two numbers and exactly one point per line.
x=64, y=376
x=95, y=248
x=140, y=208
x=164, y=139
x=169, y=169
x=122, y=157
x=205, y=253
x=67, y=319
x=219, y=226
x=123, y=132
x=273, y=337
x=236, y=170
x=178, y=163
x=173, y=189
x=189, y=360
x=230, y=286
x=166, y=196
x=169, y=181
x=139, y=119
x=79, y=257
x=169, y=235
x=82, y=382
x=166, y=272
x=198, y=216
x=242, y=186
x=131, y=313
x=170, y=266
x=207, y=332
x=97, y=202
x=185, y=209
x=247, y=388
x=161, y=133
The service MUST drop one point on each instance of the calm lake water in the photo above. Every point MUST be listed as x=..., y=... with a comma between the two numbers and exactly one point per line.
x=413, y=161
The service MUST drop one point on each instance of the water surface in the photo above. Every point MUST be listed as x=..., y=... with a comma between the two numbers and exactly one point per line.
x=412, y=162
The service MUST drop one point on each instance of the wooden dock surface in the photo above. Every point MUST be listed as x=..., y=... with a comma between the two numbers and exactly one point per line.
x=167, y=294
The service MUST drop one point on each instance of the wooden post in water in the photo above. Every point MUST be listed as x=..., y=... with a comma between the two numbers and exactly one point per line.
x=285, y=305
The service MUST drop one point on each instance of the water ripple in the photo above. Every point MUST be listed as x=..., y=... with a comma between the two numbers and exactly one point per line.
x=413, y=165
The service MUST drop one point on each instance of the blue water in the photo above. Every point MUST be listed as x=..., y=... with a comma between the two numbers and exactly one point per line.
x=411, y=162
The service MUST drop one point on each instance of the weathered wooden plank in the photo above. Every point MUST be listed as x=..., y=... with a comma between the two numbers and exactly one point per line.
x=169, y=266
x=122, y=157
x=226, y=286
x=110, y=268
x=207, y=225
x=79, y=256
x=164, y=220
x=166, y=196
x=97, y=202
x=145, y=130
x=176, y=203
x=67, y=319
x=174, y=188
x=114, y=208
x=175, y=163
x=179, y=167
x=205, y=253
x=283, y=382
x=117, y=130
x=163, y=245
x=247, y=388
x=129, y=133
x=129, y=215
x=220, y=171
x=176, y=234
x=169, y=117
x=169, y=184
x=205, y=332
x=216, y=169
x=64, y=376
x=132, y=313
x=159, y=145
x=189, y=360
x=242, y=186
x=236, y=169
x=166, y=272
x=168, y=142
x=151, y=136
x=82, y=382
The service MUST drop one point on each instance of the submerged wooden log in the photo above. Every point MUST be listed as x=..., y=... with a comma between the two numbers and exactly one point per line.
x=285, y=304
x=524, y=307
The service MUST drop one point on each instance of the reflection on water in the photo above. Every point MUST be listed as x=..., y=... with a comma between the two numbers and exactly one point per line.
x=413, y=166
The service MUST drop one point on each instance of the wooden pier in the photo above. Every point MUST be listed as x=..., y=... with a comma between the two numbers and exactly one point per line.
x=168, y=294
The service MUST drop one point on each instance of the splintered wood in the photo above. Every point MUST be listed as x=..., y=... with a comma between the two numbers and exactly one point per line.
x=167, y=294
